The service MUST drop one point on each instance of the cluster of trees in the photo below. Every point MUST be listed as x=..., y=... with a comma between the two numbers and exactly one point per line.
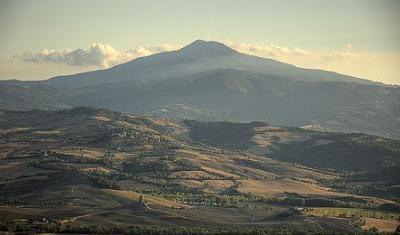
x=59, y=157
x=197, y=197
x=35, y=227
x=29, y=226
x=294, y=200
x=155, y=230
x=131, y=140
x=353, y=213
x=138, y=166
x=382, y=190
x=13, y=203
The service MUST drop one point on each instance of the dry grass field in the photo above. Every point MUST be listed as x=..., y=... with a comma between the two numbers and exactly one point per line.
x=87, y=166
x=383, y=225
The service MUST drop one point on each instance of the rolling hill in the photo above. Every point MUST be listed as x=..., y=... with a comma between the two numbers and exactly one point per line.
x=86, y=166
x=339, y=151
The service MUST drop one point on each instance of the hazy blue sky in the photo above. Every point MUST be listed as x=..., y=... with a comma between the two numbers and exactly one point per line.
x=358, y=37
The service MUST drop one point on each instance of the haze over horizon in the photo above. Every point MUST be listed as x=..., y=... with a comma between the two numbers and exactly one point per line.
x=85, y=36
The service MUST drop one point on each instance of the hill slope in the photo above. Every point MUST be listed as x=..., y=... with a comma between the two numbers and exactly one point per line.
x=369, y=163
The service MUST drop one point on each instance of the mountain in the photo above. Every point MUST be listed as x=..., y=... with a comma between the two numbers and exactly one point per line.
x=210, y=81
x=87, y=169
x=198, y=56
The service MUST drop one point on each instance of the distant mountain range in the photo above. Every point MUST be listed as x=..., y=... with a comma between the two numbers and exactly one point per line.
x=210, y=81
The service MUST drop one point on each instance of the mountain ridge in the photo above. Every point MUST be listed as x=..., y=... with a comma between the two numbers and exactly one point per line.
x=220, y=84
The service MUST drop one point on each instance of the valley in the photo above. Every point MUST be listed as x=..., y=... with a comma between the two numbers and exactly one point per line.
x=88, y=169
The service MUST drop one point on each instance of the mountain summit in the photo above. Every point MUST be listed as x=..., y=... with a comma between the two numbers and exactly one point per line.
x=201, y=47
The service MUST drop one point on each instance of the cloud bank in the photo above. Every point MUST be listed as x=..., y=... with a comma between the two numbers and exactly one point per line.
x=104, y=55
x=287, y=53
x=98, y=54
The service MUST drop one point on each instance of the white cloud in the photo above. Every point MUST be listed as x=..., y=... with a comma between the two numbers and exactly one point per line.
x=287, y=53
x=97, y=54
x=104, y=55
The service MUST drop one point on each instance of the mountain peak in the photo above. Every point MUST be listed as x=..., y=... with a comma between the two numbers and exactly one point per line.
x=202, y=47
